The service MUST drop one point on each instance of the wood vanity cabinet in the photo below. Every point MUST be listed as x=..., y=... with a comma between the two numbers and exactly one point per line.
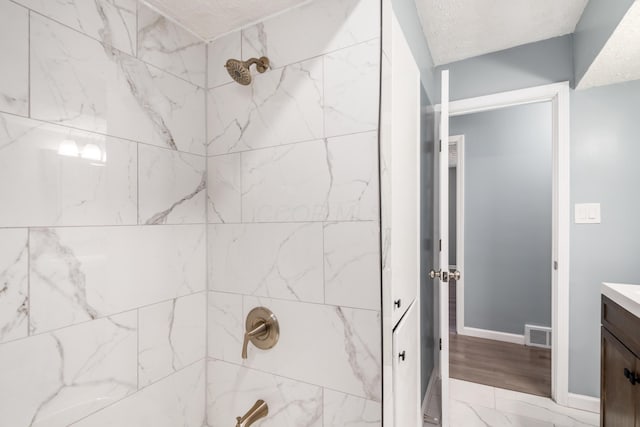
x=620, y=370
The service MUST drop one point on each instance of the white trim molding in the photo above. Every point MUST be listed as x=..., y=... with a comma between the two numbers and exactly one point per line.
x=492, y=335
x=584, y=403
x=558, y=95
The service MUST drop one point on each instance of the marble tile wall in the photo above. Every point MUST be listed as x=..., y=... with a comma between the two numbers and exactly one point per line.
x=103, y=299
x=293, y=212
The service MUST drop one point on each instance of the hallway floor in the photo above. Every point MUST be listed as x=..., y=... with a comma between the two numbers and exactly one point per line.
x=501, y=364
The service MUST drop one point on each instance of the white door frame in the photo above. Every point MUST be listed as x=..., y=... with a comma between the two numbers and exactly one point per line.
x=558, y=95
x=458, y=140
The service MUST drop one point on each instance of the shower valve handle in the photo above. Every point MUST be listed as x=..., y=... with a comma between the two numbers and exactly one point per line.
x=259, y=330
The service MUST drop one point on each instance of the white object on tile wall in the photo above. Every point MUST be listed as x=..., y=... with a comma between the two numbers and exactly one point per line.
x=587, y=213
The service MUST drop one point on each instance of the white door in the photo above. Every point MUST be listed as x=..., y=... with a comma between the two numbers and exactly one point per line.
x=441, y=251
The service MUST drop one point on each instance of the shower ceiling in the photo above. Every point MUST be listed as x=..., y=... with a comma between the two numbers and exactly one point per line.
x=209, y=19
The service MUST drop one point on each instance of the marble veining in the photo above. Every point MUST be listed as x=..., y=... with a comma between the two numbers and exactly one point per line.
x=314, y=29
x=341, y=409
x=113, y=22
x=225, y=326
x=172, y=187
x=61, y=376
x=85, y=271
x=177, y=400
x=172, y=336
x=233, y=389
x=315, y=181
x=14, y=296
x=350, y=104
x=14, y=48
x=101, y=89
x=224, y=193
x=352, y=264
x=273, y=260
x=170, y=47
x=281, y=106
x=335, y=347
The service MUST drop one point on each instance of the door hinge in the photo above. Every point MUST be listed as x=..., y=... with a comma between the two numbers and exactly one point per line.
x=440, y=245
x=440, y=146
x=440, y=343
x=555, y=265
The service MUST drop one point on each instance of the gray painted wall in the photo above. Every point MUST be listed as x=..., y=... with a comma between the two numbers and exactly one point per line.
x=407, y=15
x=508, y=183
x=604, y=149
x=533, y=64
x=599, y=19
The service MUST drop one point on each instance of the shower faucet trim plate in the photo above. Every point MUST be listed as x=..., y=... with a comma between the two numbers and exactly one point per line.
x=261, y=329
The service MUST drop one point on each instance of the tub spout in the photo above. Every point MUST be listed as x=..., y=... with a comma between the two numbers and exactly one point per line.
x=257, y=411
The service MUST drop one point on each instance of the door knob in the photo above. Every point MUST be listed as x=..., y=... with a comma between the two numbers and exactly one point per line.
x=443, y=275
x=262, y=330
x=455, y=275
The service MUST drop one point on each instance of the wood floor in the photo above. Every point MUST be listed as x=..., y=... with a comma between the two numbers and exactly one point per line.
x=500, y=364
x=496, y=363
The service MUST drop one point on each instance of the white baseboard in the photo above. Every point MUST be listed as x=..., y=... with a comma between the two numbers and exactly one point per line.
x=492, y=335
x=585, y=403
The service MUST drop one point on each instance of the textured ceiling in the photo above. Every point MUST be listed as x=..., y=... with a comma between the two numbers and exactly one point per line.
x=460, y=29
x=619, y=59
x=209, y=19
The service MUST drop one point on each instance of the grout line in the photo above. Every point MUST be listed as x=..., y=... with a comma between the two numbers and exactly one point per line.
x=138, y=348
x=137, y=184
x=107, y=316
x=29, y=63
x=28, y=283
x=130, y=395
x=305, y=141
x=206, y=235
x=251, y=368
x=120, y=139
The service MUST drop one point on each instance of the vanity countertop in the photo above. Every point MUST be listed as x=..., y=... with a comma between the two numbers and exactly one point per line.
x=626, y=296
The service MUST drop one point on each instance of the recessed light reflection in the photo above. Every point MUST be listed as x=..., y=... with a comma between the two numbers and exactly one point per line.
x=68, y=148
x=92, y=152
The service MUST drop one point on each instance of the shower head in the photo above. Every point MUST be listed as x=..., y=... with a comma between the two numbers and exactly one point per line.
x=239, y=70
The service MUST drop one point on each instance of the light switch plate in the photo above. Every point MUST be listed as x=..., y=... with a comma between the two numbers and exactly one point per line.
x=587, y=213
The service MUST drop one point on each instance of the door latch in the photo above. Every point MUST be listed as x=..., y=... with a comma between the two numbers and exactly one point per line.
x=442, y=275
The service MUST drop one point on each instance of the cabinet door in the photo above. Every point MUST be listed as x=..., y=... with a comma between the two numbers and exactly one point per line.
x=637, y=394
x=619, y=399
x=406, y=371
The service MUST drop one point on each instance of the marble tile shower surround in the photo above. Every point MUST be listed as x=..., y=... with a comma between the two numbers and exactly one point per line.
x=293, y=209
x=103, y=300
x=119, y=305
